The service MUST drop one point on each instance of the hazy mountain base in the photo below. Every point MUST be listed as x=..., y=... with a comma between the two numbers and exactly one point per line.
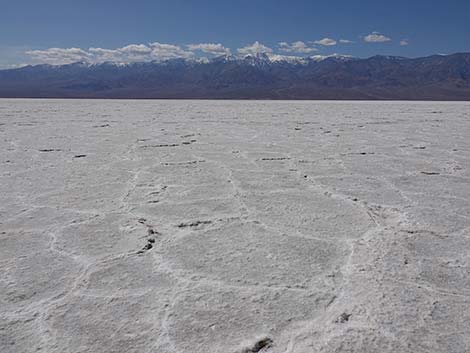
x=436, y=77
x=234, y=227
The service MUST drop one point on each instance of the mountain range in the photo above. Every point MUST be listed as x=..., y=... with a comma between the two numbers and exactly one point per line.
x=437, y=77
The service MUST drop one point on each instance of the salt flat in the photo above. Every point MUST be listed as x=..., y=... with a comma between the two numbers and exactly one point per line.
x=234, y=226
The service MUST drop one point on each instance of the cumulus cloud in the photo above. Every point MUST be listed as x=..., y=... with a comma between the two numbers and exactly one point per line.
x=345, y=41
x=254, y=49
x=162, y=51
x=326, y=42
x=210, y=48
x=101, y=55
x=139, y=49
x=296, y=47
x=404, y=42
x=59, y=56
x=376, y=37
x=131, y=53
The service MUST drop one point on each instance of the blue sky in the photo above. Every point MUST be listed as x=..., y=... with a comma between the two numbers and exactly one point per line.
x=28, y=28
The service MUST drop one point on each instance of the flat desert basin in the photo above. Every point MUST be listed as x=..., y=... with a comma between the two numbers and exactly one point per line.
x=234, y=226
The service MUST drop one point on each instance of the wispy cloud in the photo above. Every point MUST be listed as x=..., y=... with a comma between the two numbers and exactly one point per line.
x=345, y=41
x=404, y=42
x=296, y=47
x=59, y=56
x=254, y=49
x=14, y=56
x=326, y=42
x=376, y=37
x=210, y=48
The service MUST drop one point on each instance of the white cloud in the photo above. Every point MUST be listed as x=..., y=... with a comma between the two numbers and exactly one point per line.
x=139, y=53
x=255, y=49
x=210, y=48
x=59, y=56
x=404, y=42
x=136, y=49
x=345, y=41
x=296, y=47
x=127, y=54
x=326, y=42
x=376, y=37
x=162, y=51
x=102, y=55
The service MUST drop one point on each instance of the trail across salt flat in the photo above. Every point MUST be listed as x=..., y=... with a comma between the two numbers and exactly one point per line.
x=234, y=226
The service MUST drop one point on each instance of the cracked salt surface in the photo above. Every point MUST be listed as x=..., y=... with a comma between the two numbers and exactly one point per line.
x=211, y=226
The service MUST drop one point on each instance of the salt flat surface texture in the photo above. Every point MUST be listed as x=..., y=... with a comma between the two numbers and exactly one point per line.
x=211, y=226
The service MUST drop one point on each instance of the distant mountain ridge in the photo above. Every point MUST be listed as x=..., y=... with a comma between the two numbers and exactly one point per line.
x=437, y=77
